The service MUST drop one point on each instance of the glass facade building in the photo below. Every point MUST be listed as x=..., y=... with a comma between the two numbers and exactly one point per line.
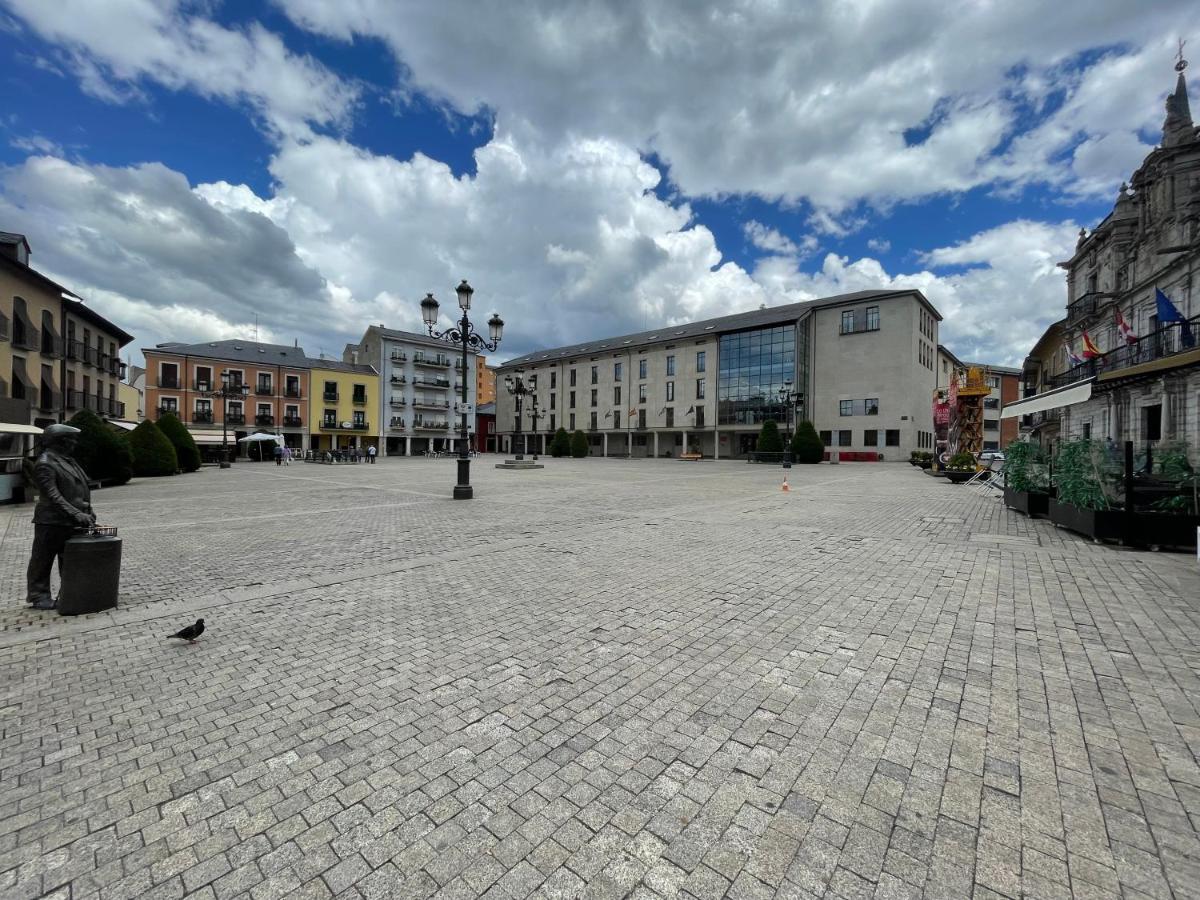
x=752, y=367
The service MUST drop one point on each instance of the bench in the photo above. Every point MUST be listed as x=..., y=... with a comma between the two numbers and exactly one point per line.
x=691, y=456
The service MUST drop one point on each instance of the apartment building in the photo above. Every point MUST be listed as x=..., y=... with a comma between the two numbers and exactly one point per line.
x=343, y=405
x=272, y=381
x=864, y=365
x=485, y=381
x=421, y=381
x=57, y=355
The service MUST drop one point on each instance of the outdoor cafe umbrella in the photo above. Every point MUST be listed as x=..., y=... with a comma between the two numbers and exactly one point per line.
x=258, y=438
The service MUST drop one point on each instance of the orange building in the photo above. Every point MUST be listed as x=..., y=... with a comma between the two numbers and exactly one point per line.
x=485, y=381
x=181, y=378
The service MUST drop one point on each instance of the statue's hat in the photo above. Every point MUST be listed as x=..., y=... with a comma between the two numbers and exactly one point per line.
x=59, y=430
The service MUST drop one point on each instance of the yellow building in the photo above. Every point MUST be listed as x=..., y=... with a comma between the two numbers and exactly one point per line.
x=343, y=405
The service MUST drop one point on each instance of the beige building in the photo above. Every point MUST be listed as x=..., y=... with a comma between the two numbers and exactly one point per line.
x=57, y=355
x=864, y=365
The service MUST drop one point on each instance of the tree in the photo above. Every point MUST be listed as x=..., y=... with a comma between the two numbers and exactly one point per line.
x=806, y=444
x=153, y=453
x=561, y=445
x=579, y=445
x=101, y=449
x=181, y=439
x=769, y=440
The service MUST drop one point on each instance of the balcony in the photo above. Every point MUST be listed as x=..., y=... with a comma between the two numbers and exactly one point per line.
x=437, y=362
x=76, y=350
x=171, y=384
x=163, y=410
x=75, y=400
x=458, y=365
x=860, y=327
x=24, y=337
x=329, y=424
x=202, y=417
x=359, y=400
x=292, y=393
x=330, y=397
x=396, y=424
x=439, y=383
x=359, y=426
x=431, y=426
x=292, y=422
x=202, y=386
x=399, y=379
x=118, y=367
x=264, y=419
x=264, y=390
x=420, y=403
x=1083, y=308
x=398, y=357
x=398, y=403
x=1161, y=344
x=235, y=419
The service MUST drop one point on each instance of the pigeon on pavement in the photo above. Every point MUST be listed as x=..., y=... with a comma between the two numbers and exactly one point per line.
x=190, y=633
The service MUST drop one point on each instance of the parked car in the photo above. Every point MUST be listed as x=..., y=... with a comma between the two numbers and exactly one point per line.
x=989, y=455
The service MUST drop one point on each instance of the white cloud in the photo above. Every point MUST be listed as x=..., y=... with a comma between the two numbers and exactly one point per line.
x=114, y=45
x=769, y=239
x=879, y=245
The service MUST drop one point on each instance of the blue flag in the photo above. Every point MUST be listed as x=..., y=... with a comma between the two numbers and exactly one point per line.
x=1167, y=313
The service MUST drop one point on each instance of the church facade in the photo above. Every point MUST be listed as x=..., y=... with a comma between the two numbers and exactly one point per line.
x=1124, y=361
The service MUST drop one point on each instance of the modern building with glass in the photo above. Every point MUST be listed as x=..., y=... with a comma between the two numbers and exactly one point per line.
x=861, y=366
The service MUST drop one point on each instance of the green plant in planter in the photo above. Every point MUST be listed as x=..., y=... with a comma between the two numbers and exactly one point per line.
x=1081, y=470
x=961, y=462
x=1025, y=468
x=1171, y=462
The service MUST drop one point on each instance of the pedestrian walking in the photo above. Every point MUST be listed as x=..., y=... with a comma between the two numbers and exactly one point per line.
x=278, y=455
x=287, y=456
x=371, y=454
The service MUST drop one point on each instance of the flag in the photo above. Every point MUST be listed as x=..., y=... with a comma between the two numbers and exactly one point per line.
x=1071, y=357
x=1090, y=350
x=633, y=412
x=1123, y=328
x=1167, y=313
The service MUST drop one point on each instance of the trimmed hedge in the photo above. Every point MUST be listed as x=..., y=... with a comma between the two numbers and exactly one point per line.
x=579, y=445
x=153, y=453
x=806, y=444
x=769, y=440
x=186, y=451
x=561, y=445
x=101, y=449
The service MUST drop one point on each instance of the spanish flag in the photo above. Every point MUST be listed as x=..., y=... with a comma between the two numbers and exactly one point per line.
x=1090, y=350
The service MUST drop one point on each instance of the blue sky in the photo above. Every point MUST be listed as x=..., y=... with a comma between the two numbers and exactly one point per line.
x=190, y=166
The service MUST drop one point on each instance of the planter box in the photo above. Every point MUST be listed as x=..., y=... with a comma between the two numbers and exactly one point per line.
x=1032, y=504
x=1097, y=524
x=1165, y=529
x=956, y=477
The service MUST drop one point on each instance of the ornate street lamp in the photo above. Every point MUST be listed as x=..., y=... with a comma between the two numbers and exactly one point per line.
x=790, y=399
x=517, y=388
x=466, y=336
x=235, y=390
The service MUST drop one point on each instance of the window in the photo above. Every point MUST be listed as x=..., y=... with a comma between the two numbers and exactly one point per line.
x=845, y=438
x=617, y=367
x=552, y=428
x=572, y=399
x=847, y=321
x=826, y=437
x=595, y=374
x=552, y=396
x=994, y=381
x=202, y=406
x=292, y=413
x=991, y=403
x=331, y=391
x=670, y=391
x=1087, y=431
x=872, y=406
x=166, y=404
x=699, y=388
x=1152, y=422
x=203, y=378
x=235, y=409
x=991, y=424
x=168, y=375
x=670, y=417
x=700, y=360
x=641, y=393
x=594, y=392
x=871, y=438
x=572, y=417
x=892, y=437
x=553, y=380
x=641, y=418
x=572, y=380
x=995, y=445
x=616, y=418
x=329, y=420
x=641, y=368
x=360, y=419
x=264, y=384
x=670, y=365
x=699, y=416
x=264, y=409
x=360, y=393
x=593, y=422
x=846, y=408
x=617, y=395
x=872, y=318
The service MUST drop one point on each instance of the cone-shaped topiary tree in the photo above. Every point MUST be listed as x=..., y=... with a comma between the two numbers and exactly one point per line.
x=769, y=440
x=181, y=439
x=561, y=445
x=153, y=453
x=806, y=444
x=101, y=449
x=579, y=445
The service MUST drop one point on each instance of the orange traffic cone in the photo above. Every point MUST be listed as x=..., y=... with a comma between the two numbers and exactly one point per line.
x=785, y=487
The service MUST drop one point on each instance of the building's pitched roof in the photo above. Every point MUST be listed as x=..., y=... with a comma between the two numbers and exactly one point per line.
x=998, y=370
x=486, y=409
x=238, y=351
x=11, y=237
x=336, y=365
x=757, y=318
x=74, y=307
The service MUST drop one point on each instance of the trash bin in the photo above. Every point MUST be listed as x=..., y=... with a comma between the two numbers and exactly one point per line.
x=91, y=572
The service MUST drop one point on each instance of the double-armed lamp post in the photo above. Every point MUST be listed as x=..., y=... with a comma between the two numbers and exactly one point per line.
x=790, y=399
x=466, y=336
x=517, y=387
x=230, y=390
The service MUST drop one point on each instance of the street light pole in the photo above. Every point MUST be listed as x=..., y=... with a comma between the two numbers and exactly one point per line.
x=516, y=387
x=228, y=390
x=465, y=335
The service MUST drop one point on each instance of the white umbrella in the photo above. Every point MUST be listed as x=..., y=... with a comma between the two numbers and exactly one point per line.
x=261, y=436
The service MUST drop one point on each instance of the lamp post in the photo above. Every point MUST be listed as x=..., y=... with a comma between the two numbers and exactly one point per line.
x=517, y=388
x=790, y=398
x=236, y=390
x=466, y=336
x=534, y=415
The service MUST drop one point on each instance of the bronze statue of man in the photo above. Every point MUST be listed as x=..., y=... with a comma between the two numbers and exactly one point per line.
x=64, y=506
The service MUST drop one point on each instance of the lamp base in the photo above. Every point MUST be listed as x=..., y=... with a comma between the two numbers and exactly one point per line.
x=463, y=492
x=225, y=464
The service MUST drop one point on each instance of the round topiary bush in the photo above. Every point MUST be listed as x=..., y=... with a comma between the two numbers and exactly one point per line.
x=806, y=444
x=579, y=445
x=769, y=440
x=186, y=451
x=561, y=445
x=101, y=449
x=153, y=453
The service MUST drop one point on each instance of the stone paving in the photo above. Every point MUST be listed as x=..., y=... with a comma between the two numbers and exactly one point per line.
x=606, y=678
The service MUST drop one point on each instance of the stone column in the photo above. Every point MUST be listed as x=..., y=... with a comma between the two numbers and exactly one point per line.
x=408, y=446
x=656, y=445
x=717, y=444
x=604, y=444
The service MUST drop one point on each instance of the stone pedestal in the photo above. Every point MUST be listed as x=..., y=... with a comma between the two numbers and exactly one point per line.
x=519, y=464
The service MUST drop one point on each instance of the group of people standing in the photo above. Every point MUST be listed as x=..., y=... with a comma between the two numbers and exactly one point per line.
x=284, y=455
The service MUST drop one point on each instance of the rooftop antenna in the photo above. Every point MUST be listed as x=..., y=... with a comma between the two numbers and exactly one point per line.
x=256, y=328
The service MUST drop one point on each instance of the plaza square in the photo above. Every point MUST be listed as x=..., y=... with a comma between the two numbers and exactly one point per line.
x=605, y=678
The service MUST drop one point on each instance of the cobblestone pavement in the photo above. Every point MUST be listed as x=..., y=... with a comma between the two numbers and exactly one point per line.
x=603, y=679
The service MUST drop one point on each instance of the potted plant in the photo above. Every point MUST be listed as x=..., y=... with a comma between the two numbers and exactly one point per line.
x=925, y=460
x=961, y=467
x=914, y=458
x=1026, y=479
x=1167, y=502
x=1085, y=500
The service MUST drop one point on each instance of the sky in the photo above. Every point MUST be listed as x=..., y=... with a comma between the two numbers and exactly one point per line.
x=299, y=169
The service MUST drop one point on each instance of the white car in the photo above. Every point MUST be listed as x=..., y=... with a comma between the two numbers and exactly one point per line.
x=989, y=455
